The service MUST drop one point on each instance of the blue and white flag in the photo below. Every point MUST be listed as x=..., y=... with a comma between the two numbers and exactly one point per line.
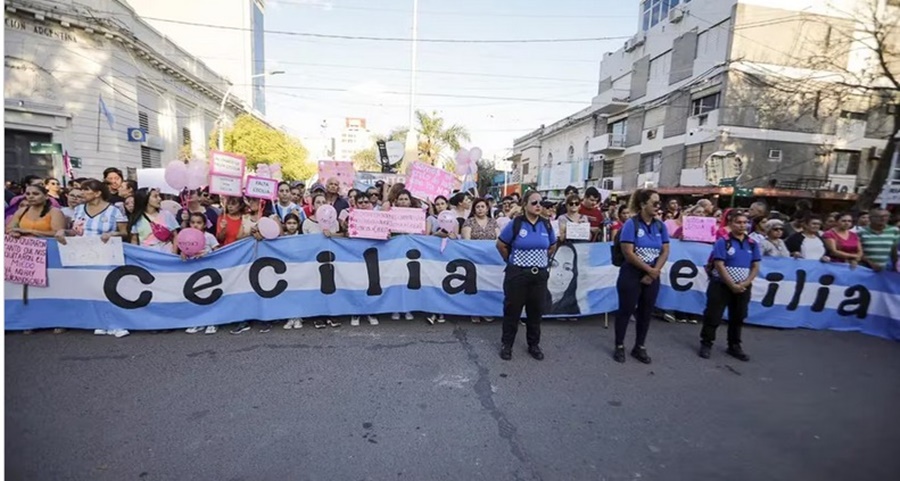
x=110, y=118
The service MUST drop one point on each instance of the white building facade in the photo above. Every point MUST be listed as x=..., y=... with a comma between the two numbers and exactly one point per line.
x=691, y=102
x=61, y=60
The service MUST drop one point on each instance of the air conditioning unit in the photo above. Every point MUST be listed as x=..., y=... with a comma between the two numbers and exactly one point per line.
x=775, y=155
x=639, y=39
x=675, y=15
x=651, y=134
x=629, y=45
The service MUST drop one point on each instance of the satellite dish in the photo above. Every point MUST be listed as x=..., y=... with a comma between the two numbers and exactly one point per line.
x=394, y=151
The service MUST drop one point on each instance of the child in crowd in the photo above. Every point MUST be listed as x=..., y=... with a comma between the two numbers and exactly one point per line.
x=198, y=221
x=292, y=228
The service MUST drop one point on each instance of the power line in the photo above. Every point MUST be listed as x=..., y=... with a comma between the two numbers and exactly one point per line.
x=449, y=13
x=392, y=39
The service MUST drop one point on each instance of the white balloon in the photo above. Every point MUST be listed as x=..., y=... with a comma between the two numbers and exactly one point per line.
x=462, y=156
x=395, y=150
x=475, y=154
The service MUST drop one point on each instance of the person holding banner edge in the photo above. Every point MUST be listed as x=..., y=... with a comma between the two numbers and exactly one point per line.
x=644, y=241
x=527, y=244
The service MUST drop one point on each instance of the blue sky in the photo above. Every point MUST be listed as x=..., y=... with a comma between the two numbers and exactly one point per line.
x=371, y=70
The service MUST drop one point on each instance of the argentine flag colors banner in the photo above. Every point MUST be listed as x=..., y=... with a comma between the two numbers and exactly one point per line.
x=310, y=275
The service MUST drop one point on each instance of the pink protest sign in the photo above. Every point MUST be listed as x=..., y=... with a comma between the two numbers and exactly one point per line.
x=699, y=229
x=261, y=188
x=427, y=182
x=407, y=220
x=370, y=224
x=224, y=185
x=227, y=164
x=342, y=170
x=26, y=261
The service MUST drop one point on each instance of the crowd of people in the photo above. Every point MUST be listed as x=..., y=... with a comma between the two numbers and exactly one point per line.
x=640, y=230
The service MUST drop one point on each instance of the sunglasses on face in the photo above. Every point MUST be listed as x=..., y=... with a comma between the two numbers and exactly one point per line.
x=777, y=228
x=655, y=204
x=534, y=202
x=363, y=201
x=574, y=204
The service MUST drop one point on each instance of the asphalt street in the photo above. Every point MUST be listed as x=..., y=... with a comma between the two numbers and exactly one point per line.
x=409, y=401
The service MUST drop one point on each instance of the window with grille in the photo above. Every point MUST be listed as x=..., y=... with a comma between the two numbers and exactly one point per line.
x=705, y=104
x=144, y=122
x=150, y=158
x=608, y=167
x=846, y=162
x=185, y=136
x=650, y=163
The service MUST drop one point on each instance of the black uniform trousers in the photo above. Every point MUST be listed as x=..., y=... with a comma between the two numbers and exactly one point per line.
x=718, y=298
x=523, y=287
x=635, y=298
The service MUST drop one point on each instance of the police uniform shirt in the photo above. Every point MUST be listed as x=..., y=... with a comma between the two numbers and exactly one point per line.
x=531, y=243
x=737, y=255
x=648, y=240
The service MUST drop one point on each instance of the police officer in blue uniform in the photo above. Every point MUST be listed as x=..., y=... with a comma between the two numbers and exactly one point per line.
x=735, y=263
x=644, y=241
x=527, y=244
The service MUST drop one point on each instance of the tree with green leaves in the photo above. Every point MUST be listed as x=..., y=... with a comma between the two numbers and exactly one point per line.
x=262, y=144
x=438, y=142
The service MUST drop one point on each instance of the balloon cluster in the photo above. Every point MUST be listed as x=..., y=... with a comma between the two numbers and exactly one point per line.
x=467, y=161
x=190, y=176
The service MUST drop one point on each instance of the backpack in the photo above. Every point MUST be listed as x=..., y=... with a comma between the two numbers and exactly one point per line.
x=709, y=267
x=517, y=226
x=618, y=257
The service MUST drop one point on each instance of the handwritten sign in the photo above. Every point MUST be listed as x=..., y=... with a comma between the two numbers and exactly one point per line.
x=578, y=231
x=370, y=224
x=26, y=261
x=91, y=251
x=407, y=220
x=342, y=170
x=699, y=229
x=427, y=182
x=261, y=188
x=227, y=164
x=227, y=186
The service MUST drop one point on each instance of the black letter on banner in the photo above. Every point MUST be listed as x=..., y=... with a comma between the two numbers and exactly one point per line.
x=371, y=257
x=470, y=282
x=415, y=269
x=326, y=272
x=822, y=294
x=278, y=266
x=774, y=278
x=191, y=288
x=862, y=301
x=111, y=284
x=676, y=274
x=798, y=289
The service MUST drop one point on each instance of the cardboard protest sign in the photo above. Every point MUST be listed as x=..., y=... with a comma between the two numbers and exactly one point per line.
x=578, y=231
x=261, y=188
x=227, y=164
x=407, y=220
x=227, y=186
x=26, y=261
x=427, y=182
x=342, y=170
x=370, y=224
x=699, y=229
x=91, y=251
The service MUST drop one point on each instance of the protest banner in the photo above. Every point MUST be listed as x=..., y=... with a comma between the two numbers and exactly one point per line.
x=342, y=170
x=699, y=229
x=227, y=186
x=261, y=188
x=227, y=164
x=308, y=276
x=91, y=251
x=407, y=220
x=578, y=231
x=427, y=182
x=26, y=261
x=370, y=224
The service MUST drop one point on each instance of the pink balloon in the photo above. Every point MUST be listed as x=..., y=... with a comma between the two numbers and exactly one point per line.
x=447, y=221
x=191, y=242
x=197, y=174
x=176, y=175
x=171, y=206
x=268, y=228
x=327, y=218
x=462, y=156
x=475, y=154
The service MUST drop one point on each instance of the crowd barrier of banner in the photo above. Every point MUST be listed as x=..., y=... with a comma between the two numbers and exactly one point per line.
x=315, y=276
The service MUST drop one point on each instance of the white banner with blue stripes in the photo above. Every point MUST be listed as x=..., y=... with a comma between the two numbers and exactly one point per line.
x=311, y=275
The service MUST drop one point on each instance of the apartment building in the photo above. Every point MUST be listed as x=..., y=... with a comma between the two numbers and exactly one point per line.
x=710, y=94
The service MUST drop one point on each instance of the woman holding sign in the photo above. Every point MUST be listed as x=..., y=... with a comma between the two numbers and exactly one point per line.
x=572, y=216
x=644, y=240
x=36, y=216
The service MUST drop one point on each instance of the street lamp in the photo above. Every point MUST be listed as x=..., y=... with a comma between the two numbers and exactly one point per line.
x=225, y=99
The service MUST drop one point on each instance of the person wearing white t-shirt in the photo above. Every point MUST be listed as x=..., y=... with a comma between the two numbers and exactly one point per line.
x=808, y=243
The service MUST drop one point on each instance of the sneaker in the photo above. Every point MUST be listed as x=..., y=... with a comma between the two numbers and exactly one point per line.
x=431, y=319
x=736, y=352
x=408, y=316
x=210, y=330
x=298, y=323
x=59, y=330
x=441, y=319
x=266, y=327
x=289, y=324
x=395, y=316
x=333, y=323
x=119, y=332
x=705, y=351
x=523, y=323
x=242, y=327
x=488, y=319
x=193, y=330
x=354, y=321
x=319, y=324
x=669, y=317
x=373, y=321
x=100, y=332
x=476, y=319
x=640, y=353
x=506, y=353
x=619, y=354
x=536, y=352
